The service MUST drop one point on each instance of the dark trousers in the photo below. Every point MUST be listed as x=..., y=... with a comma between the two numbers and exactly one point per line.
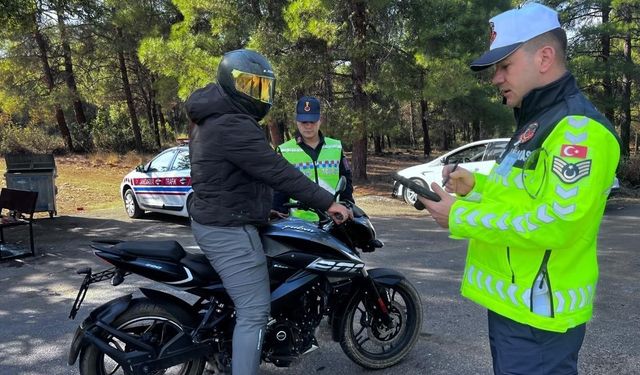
x=519, y=349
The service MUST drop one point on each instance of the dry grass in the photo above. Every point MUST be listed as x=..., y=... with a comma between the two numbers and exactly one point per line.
x=87, y=183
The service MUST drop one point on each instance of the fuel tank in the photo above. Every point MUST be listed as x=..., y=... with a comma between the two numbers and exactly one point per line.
x=295, y=235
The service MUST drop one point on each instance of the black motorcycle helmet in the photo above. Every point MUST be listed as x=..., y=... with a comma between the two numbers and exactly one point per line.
x=247, y=77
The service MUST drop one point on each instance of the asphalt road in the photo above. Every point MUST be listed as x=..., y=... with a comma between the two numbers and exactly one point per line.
x=37, y=293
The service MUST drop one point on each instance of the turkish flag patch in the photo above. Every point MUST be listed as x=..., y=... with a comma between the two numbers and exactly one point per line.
x=574, y=151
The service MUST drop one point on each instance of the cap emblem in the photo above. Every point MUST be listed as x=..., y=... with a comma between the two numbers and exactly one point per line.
x=307, y=108
x=492, y=34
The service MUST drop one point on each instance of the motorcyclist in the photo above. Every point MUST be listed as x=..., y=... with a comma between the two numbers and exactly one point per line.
x=233, y=171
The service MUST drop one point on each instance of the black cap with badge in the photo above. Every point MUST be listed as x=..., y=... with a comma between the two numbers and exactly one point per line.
x=513, y=28
x=308, y=109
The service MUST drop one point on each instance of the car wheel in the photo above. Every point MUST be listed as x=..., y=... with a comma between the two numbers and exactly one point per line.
x=131, y=205
x=189, y=198
x=409, y=195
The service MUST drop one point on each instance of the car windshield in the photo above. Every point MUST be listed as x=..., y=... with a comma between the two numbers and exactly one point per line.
x=469, y=154
x=483, y=152
x=182, y=161
x=162, y=162
x=494, y=150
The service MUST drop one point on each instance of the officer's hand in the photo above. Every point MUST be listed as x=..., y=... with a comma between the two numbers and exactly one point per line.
x=339, y=213
x=460, y=181
x=439, y=210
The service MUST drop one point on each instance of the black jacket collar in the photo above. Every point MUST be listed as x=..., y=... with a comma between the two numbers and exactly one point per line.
x=300, y=140
x=543, y=97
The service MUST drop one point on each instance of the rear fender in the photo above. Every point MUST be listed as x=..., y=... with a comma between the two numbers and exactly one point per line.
x=168, y=301
x=380, y=276
x=106, y=313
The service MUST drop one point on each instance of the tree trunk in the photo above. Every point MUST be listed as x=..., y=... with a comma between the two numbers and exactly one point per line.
x=475, y=127
x=277, y=138
x=625, y=124
x=48, y=79
x=69, y=76
x=605, y=40
x=359, y=77
x=162, y=121
x=412, y=131
x=378, y=146
x=426, y=142
x=154, y=118
x=128, y=96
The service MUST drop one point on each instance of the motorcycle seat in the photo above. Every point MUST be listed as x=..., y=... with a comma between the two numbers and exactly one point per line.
x=200, y=266
x=163, y=250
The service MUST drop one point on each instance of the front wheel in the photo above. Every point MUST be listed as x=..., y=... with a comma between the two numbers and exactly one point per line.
x=131, y=205
x=372, y=344
x=149, y=322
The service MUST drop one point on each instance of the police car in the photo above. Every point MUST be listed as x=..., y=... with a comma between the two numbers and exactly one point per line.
x=162, y=185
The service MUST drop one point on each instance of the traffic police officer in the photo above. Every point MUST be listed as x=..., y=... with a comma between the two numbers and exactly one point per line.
x=318, y=157
x=532, y=223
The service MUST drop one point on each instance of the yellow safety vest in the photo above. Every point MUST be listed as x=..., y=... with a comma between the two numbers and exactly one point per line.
x=325, y=171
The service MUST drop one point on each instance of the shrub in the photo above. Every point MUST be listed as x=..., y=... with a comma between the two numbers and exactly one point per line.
x=81, y=137
x=112, y=130
x=29, y=139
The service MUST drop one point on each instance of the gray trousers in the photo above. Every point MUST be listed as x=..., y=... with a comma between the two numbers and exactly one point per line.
x=236, y=254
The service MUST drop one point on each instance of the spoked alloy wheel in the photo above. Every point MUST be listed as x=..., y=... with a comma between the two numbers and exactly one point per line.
x=373, y=344
x=151, y=323
x=131, y=205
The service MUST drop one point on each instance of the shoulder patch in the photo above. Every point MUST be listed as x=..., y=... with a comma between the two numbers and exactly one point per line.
x=571, y=173
x=574, y=151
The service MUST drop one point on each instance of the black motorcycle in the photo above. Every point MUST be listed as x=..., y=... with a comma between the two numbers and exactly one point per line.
x=315, y=271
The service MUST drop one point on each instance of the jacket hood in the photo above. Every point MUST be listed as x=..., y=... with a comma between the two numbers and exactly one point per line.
x=208, y=101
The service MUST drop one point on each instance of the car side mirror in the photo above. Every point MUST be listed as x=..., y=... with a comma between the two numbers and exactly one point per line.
x=140, y=168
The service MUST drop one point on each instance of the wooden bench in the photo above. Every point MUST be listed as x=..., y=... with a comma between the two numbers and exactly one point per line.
x=16, y=209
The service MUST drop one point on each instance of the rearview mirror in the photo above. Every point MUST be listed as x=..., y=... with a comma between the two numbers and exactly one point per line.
x=342, y=184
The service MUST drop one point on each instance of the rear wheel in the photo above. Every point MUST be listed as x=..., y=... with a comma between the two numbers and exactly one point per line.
x=149, y=322
x=409, y=195
x=372, y=344
x=131, y=205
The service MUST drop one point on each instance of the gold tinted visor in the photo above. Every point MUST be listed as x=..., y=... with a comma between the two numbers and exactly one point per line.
x=257, y=87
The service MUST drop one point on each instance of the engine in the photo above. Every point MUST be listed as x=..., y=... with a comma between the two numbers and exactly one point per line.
x=291, y=333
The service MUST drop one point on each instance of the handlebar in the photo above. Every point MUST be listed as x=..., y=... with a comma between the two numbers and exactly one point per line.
x=323, y=215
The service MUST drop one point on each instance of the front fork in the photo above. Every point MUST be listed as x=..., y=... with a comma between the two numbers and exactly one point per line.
x=379, y=301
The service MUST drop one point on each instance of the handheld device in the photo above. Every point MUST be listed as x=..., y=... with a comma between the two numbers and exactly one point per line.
x=422, y=191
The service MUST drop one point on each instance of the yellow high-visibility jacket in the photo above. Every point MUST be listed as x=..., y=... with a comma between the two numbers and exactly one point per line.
x=534, y=219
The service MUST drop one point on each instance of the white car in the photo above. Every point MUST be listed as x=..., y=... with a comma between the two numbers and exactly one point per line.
x=477, y=156
x=162, y=185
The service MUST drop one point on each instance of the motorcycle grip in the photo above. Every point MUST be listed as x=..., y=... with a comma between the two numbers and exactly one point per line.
x=422, y=191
